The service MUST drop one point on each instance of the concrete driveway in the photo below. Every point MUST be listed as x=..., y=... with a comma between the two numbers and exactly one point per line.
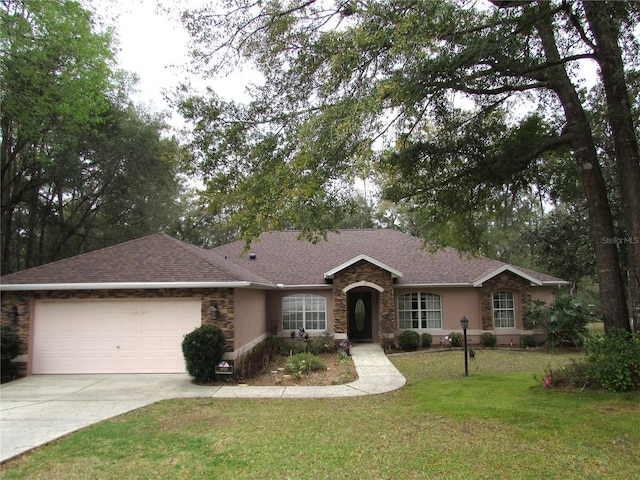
x=37, y=409
x=40, y=408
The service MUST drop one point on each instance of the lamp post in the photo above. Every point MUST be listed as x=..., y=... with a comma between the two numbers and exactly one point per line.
x=464, y=322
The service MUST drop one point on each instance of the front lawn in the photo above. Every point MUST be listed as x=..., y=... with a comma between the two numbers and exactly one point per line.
x=498, y=423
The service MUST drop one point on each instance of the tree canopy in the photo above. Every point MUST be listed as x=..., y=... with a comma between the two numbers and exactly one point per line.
x=81, y=168
x=455, y=102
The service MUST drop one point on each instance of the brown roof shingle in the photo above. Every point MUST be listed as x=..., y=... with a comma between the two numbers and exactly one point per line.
x=155, y=258
x=283, y=258
x=278, y=258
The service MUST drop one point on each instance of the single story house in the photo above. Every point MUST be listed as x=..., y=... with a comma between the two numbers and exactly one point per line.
x=126, y=308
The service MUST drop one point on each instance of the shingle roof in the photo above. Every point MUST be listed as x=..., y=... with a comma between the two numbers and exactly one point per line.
x=156, y=258
x=283, y=258
x=280, y=258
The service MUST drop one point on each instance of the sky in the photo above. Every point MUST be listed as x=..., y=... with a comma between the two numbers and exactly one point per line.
x=154, y=46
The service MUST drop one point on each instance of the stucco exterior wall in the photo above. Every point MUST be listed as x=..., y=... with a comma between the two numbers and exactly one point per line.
x=250, y=319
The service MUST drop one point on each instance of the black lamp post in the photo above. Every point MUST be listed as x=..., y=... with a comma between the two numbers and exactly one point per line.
x=464, y=322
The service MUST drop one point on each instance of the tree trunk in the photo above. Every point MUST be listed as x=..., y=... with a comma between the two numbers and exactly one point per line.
x=611, y=286
x=609, y=57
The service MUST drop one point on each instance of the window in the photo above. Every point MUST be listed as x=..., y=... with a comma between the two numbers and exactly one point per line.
x=304, y=310
x=419, y=310
x=504, y=312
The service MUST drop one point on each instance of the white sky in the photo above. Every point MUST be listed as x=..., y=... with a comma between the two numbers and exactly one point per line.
x=154, y=46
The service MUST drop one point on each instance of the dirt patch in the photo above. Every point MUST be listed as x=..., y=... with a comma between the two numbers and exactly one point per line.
x=336, y=373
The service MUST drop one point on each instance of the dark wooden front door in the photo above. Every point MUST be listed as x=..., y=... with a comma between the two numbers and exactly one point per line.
x=360, y=320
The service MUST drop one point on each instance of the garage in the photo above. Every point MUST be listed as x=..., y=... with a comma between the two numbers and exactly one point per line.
x=112, y=336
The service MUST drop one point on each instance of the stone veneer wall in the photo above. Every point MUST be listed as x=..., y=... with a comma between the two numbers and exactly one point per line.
x=505, y=282
x=224, y=298
x=365, y=271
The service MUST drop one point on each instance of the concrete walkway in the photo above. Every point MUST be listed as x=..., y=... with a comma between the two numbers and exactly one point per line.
x=40, y=408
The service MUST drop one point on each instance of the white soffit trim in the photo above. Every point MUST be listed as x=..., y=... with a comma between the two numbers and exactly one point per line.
x=401, y=286
x=505, y=268
x=395, y=273
x=320, y=286
x=128, y=285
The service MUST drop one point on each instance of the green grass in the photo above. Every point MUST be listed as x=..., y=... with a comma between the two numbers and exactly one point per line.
x=498, y=423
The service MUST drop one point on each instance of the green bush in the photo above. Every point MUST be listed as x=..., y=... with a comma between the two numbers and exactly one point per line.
x=456, y=339
x=564, y=322
x=488, y=339
x=615, y=360
x=10, y=347
x=302, y=363
x=527, y=341
x=426, y=340
x=612, y=363
x=203, y=349
x=409, y=340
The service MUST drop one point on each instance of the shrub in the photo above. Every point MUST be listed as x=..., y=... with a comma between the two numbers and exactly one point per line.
x=615, y=360
x=613, y=363
x=409, y=340
x=488, y=339
x=203, y=349
x=456, y=339
x=322, y=344
x=302, y=363
x=342, y=356
x=10, y=347
x=577, y=374
x=527, y=341
x=426, y=340
x=565, y=322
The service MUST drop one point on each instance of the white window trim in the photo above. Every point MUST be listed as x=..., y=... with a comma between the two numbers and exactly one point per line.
x=420, y=311
x=305, y=310
x=503, y=309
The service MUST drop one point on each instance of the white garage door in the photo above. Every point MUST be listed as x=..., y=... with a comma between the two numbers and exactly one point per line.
x=112, y=336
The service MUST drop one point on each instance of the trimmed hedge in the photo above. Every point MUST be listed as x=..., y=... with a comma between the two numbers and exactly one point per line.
x=203, y=349
x=409, y=340
x=426, y=339
x=488, y=339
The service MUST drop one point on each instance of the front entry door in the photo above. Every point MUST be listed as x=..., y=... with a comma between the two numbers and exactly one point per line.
x=360, y=324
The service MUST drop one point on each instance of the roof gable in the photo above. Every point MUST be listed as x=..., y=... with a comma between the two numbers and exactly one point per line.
x=394, y=273
x=506, y=268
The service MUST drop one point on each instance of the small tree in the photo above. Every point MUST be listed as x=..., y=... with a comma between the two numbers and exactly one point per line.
x=203, y=349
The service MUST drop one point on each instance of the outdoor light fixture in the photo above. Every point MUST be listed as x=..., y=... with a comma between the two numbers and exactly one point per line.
x=214, y=312
x=12, y=314
x=464, y=323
